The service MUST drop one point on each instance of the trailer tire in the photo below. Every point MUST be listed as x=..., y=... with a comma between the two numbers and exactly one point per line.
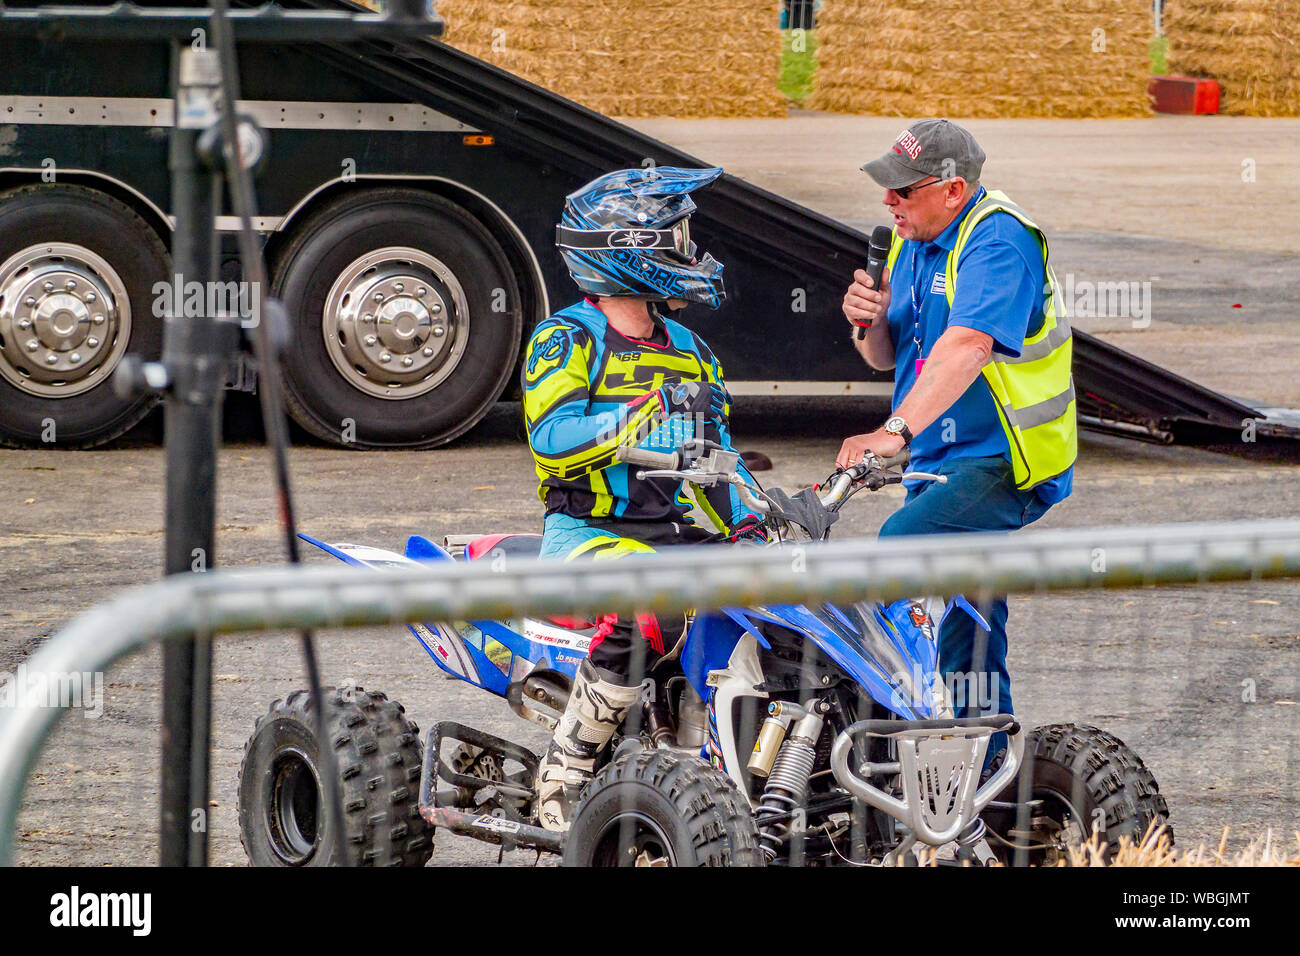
x=406, y=320
x=78, y=242
x=378, y=758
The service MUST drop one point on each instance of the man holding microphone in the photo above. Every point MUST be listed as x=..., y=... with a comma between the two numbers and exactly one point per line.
x=967, y=317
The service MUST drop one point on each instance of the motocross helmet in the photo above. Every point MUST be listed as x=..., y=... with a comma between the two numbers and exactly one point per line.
x=627, y=233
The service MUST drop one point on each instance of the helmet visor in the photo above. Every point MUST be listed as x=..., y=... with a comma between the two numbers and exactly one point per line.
x=683, y=249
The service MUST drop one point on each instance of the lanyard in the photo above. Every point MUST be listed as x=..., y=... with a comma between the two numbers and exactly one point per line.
x=916, y=308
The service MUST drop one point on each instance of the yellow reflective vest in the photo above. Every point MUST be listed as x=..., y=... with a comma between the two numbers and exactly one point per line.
x=1034, y=392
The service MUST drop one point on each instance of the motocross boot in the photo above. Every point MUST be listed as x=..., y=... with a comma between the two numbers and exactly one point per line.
x=596, y=708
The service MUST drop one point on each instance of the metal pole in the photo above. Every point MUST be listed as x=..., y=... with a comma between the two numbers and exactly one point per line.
x=196, y=345
x=195, y=364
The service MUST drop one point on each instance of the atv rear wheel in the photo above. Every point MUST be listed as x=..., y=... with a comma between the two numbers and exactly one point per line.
x=1088, y=781
x=283, y=816
x=659, y=809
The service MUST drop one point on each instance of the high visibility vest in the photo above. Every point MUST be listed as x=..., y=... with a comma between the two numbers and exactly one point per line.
x=1034, y=393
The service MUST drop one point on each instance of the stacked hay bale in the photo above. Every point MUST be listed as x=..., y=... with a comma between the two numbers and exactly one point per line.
x=983, y=58
x=668, y=58
x=1252, y=47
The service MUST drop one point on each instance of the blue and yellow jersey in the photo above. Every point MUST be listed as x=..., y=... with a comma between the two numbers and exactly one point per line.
x=589, y=389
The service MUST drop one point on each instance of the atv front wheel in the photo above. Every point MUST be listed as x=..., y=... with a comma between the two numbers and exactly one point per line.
x=283, y=816
x=1086, y=781
x=655, y=808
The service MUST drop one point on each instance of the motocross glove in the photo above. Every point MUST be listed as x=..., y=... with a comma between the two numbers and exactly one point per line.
x=694, y=398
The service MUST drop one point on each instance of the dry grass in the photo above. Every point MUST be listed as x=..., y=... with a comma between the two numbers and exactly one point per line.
x=983, y=58
x=1155, y=850
x=1252, y=47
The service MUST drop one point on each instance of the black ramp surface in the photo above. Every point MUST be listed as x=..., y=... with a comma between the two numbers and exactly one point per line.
x=776, y=245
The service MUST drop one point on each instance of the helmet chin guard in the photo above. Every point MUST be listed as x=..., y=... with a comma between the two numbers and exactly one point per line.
x=626, y=234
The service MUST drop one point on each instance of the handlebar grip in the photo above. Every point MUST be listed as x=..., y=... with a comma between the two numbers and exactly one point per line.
x=666, y=461
x=900, y=459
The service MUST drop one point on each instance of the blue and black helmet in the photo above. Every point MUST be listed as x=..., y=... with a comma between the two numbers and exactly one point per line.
x=626, y=233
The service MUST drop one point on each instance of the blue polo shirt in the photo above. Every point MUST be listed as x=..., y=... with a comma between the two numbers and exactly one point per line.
x=1001, y=294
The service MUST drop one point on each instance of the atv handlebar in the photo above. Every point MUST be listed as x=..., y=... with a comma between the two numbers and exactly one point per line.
x=874, y=471
x=706, y=464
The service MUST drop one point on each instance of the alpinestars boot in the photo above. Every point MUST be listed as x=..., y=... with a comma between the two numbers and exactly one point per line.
x=596, y=708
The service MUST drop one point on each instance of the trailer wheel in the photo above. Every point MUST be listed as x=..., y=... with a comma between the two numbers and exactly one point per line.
x=77, y=272
x=407, y=320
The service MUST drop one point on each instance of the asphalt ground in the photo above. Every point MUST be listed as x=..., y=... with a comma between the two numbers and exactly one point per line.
x=1202, y=681
x=1196, y=210
x=1166, y=669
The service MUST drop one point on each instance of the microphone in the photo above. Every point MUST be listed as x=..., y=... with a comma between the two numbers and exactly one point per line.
x=881, y=238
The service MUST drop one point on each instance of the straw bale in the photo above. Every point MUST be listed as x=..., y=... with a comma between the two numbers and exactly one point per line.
x=982, y=58
x=673, y=58
x=1251, y=47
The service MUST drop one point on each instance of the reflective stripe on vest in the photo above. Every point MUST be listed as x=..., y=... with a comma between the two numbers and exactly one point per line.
x=1034, y=392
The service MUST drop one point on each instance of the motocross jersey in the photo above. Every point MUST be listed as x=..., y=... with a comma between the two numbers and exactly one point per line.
x=589, y=389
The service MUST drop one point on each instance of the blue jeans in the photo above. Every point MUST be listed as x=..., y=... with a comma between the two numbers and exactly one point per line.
x=980, y=495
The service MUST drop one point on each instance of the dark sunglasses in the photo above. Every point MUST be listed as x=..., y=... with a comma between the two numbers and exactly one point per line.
x=905, y=192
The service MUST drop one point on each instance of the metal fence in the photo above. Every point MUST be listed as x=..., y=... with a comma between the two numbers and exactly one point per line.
x=224, y=602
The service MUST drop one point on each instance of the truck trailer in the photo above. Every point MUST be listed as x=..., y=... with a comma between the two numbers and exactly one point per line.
x=407, y=214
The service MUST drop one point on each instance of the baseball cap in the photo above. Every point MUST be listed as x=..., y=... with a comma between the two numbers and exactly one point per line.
x=929, y=147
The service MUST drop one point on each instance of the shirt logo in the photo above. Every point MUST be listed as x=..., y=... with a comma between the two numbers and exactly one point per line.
x=909, y=143
x=547, y=354
x=939, y=284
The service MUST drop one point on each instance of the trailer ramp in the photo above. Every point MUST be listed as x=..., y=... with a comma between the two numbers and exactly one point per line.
x=1119, y=393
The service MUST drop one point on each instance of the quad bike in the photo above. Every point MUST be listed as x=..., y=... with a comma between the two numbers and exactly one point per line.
x=772, y=735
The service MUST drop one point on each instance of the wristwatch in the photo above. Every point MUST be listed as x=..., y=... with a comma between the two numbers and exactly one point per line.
x=896, y=426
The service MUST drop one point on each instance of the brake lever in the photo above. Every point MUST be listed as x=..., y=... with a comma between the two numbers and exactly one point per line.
x=870, y=462
x=703, y=479
x=924, y=476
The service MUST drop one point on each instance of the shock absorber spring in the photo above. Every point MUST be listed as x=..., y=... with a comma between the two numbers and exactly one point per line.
x=787, y=784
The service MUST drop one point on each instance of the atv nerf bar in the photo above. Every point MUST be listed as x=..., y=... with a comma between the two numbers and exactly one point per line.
x=467, y=786
x=494, y=822
x=940, y=762
x=490, y=829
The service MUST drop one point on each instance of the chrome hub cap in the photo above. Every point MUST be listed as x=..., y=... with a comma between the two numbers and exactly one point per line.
x=396, y=323
x=65, y=320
